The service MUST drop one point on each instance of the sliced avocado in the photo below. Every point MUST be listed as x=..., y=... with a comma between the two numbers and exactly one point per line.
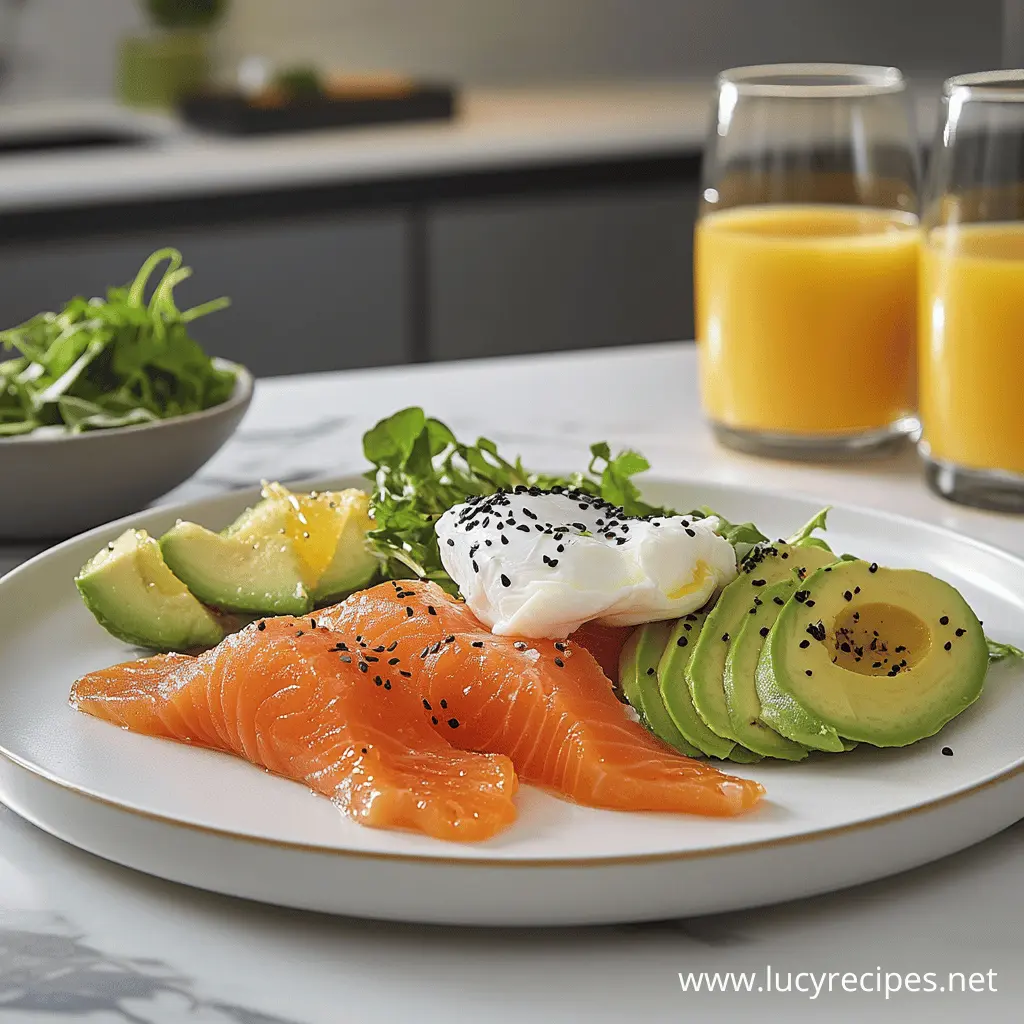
x=327, y=530
x=353, y=565
x=638, y=677
x=676, y=694
x=262, y=577
x=880, y=656
x=136, y=597
x=766, y=565
x=739, y=678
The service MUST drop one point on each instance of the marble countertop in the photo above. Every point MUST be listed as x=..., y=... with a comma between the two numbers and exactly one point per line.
x=84, y=940
x=494, y=128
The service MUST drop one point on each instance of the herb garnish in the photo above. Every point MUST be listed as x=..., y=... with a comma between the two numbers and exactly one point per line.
x=109, y=363
x=422, y=470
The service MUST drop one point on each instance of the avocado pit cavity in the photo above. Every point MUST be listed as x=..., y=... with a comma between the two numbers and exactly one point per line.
x=878, y=639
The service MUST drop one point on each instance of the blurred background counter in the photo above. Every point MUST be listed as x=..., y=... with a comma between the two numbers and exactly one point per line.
x=554, y=212
x=538, y=219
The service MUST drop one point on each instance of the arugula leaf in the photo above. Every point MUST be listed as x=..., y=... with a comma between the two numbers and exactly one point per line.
x=108, y=363
x=421, y=470
x=742, y=536
x=1000, y=652
x=803, y=535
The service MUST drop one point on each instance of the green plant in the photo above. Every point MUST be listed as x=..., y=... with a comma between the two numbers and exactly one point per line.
x=186, y=14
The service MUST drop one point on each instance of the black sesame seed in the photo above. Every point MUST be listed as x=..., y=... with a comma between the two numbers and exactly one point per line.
x=505, y=581
x=523, y=529
x=725, y=638
x=682, y=642
x=944, y=621
x=808, y=673
x=947, y=646
x=650, y=671
x=764, y=631
x=689, y=532
x=947, y=751
x=451, y=543
x=848, y=595
x=805, y=644
x=873, y=567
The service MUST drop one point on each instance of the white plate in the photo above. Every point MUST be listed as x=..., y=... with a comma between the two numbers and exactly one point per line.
x=212, y=821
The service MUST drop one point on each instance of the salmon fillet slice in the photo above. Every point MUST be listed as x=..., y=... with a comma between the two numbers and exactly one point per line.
x=605, y=643
x=545, y=704
x=292, y=698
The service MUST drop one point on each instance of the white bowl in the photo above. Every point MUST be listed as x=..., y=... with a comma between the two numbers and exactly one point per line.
x=58, y=484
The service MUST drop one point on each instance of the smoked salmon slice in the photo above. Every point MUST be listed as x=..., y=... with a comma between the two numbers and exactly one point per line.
x=545, y=704
x=605, y=643
x=307, y=704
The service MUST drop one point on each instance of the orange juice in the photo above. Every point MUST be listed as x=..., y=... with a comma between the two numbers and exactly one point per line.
x=807, y=318
x=972, y=345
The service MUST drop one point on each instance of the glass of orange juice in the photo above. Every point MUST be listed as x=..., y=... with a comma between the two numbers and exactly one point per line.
x=806, y=260
x=972, y=295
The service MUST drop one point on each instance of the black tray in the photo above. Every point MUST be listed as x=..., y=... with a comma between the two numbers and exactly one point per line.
x=233, y=114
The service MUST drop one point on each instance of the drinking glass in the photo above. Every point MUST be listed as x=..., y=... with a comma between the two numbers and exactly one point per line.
x=805, y=260
x=972, y=295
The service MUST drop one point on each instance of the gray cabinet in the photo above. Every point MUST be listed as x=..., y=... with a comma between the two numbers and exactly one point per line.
x=318, y=293
x=536, y=274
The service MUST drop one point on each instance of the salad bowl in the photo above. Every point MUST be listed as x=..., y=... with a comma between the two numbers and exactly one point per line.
x=56, y=483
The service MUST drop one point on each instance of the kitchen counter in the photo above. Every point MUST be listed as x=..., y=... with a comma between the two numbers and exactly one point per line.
x=84, y=940
x=493, y=129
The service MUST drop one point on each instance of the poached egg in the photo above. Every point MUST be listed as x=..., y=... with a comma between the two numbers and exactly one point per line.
x=541, y=563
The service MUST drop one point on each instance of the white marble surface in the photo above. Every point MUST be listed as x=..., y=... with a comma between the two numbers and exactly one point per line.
x=77, y=933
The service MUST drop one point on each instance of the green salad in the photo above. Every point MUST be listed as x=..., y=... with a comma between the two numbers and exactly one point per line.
x=421, y=469
x=111, y=362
